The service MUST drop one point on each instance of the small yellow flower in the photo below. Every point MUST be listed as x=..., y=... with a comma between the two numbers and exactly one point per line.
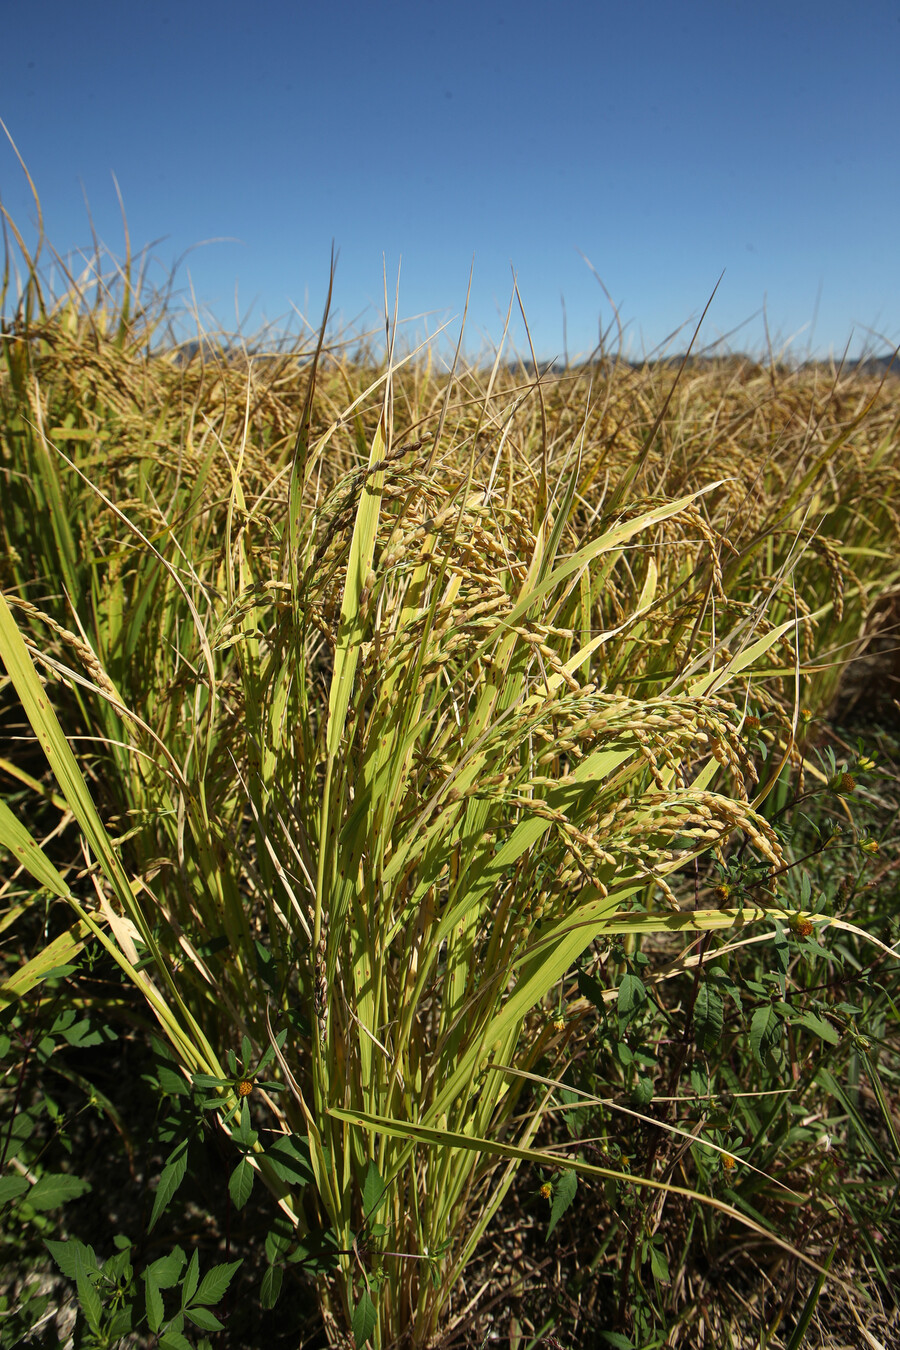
x=547, y=1191
x=843, y=784
x=802, y=926
x=806, y=714
x=865, y=763
x=559, y=1024
x=244, y=1087
x=728, y=1162
x=869, y=845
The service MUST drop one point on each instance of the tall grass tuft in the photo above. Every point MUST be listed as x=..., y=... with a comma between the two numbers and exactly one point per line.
x=369, y=736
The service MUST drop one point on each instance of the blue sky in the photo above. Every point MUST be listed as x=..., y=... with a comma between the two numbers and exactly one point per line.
x=666, y=142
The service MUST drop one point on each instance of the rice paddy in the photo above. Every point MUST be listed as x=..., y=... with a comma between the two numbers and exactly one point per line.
x=440, y=762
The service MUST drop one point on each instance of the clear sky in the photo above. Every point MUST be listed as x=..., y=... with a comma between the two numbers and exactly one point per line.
x=667, y=141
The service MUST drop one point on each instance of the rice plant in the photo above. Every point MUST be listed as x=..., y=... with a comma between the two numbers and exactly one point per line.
x=378, y=700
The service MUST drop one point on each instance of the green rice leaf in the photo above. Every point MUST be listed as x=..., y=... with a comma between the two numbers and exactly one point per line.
x=28, y=853
x=362, y=549
x=55, y=955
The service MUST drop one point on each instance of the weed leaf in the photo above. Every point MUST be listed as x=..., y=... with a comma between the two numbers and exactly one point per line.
x=819, y=1027
x=240, y=1184
x=155, y=1307
x=174, y=1340
x=364, y=1319
x=204, y=1319
x=290, y=1160
x=764, y=1031
x=66, y=1254
x=56, y=1188
x=11, y=1188
x=171, y=1178
x=708, y=1018
x=631, y=997
x=563, y=1195
x=214, y=1284
x=166, y=1270
x=373, y=1191
x=271, y=1286
x=87, y=1293
x=659, y=1265
x=191, y=1279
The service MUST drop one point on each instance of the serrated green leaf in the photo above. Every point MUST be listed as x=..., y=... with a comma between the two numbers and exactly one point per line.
x=764, y=1032
x=617, y=1340
x=207, y=1080
x=166, y=1270
x=659, y=1265
x=708, y=1018
x=171, y=1178
x=11, y=1187
x=266, y=966
x=118, y=1266
x=154, y=1303
x=364, y=1319
x=564, y=1190
x=66, y=1254
x=631, y=997
x=642, y=1092
x=782, y=948
x=204, y=1319
x=289, y=1156
x=240, y=1184
x=592, y=990
x=242, y=1133
x=278, y=1239
x=373, y=1191
x=87, y=1293
x=171, y=1082
x=215, y=1283
x=82, y=1036
x=56, y=1188
x=271, y=1286
x=191, y=1279
x=120, y=1324
x=174, y=1340
x=819, y=1027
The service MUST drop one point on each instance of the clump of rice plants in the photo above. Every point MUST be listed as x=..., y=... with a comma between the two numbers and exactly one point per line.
x=374, y=702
